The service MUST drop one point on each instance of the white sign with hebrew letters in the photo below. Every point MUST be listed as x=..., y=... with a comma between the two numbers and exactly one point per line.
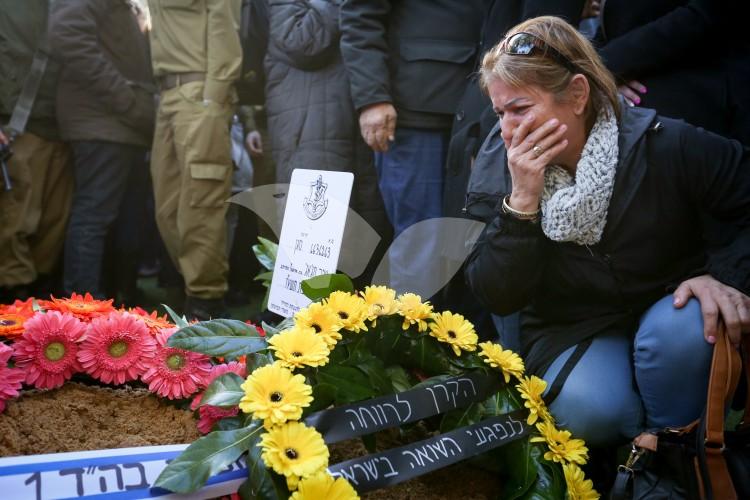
x=311, y=235
x=116, y=474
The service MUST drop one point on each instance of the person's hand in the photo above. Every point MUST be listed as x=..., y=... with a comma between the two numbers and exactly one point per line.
x=3, y=138
x=254, y=143
x=591, y=8
x=631, y=92
x=528, y=155
x=378, y=125
x=719, y=302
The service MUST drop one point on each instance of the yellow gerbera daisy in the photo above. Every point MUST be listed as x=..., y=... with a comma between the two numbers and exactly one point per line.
x=562, y=448
x=508, y=361
x=299, y=347
x=455, y=330
x=381, y=301
x=294, y=449
x=275, y=395
x=322, y=319
x=531, y=389
x=414, y=311
x=579, y=488
x=351, y=309
x=322, y=485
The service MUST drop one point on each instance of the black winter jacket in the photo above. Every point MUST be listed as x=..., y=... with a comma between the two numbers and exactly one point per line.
x=415, y=54
x=692, y=55
x=669, y=172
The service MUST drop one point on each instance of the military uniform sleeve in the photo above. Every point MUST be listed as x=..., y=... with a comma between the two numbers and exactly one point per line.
x=74, y=40
x=224, y=52
x=365, y=50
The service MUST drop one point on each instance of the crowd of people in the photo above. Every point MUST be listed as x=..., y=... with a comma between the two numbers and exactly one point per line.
x=605, y=147
x=386, y=90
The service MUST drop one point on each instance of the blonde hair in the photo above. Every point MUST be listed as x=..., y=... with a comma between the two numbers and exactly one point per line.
x=545, y=72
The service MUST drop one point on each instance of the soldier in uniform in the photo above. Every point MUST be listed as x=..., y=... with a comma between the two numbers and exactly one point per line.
x=197, y=56
x=33, y=214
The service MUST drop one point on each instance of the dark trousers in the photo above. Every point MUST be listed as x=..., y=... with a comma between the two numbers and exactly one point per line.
x=102, y=170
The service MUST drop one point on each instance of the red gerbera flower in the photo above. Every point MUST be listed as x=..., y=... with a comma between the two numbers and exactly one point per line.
x=10, y=378
x=153, y=321
x=175, y=373
x=116, y=348
x=209, y=415
x=47, y=349
x=83, y=307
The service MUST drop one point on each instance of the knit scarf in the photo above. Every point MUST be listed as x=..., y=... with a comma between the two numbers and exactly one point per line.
x=575, y=208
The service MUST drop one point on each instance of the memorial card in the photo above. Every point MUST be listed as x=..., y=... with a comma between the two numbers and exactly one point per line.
x=311, y=235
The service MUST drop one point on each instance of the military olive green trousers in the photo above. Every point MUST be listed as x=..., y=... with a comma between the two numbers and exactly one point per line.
x=33, y=215
x=191, y=167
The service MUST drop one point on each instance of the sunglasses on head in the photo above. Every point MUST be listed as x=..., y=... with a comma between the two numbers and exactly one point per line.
x=526, y=44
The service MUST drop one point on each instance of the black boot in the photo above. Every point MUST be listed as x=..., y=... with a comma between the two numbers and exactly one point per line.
x=205, y=309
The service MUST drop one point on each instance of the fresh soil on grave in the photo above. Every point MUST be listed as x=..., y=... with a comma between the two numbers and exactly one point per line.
x=80, y=417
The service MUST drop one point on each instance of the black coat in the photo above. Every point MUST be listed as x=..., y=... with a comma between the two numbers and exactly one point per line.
x=692, y=55
x=474, y=117
x=415, y=54
x=668, y=173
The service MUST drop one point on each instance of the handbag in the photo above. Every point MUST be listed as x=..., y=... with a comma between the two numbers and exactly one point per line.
x=700, y=460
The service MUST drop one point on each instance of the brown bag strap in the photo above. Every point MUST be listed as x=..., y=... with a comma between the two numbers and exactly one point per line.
x=725, y=374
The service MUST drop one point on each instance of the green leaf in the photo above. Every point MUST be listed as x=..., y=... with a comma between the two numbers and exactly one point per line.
x=262, y=482
x=266, y=252
x=320, y=287
x=228, y=424
x=227, y=338
x=400, y=380
x=178, y=320
x=266, y=276
x=351, y=384
x=207, y=456
x=224, y=391
x=255, y=361
x=323, y=396
x=361, y=358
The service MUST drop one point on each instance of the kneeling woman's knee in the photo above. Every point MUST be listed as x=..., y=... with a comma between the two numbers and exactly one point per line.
x=671, y=337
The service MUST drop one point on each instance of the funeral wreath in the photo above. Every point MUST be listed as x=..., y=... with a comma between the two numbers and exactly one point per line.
x=352, y=364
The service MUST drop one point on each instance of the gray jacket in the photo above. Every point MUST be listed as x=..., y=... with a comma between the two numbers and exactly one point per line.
x=312, y=122
x=311, y=118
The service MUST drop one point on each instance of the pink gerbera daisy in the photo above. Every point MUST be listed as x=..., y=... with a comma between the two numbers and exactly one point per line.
x=116, y=348
x=10, y=378
x=175, y=373
x=209, y=414
x=47, y=349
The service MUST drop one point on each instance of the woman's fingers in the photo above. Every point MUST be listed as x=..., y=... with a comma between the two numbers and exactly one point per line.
x=629, y=94
x=520, y=133
x=552, y=138
x=552, y=151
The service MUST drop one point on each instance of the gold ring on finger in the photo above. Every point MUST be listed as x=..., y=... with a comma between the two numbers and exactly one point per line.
x=538, y=150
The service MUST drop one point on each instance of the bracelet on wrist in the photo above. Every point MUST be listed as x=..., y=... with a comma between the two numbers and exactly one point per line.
x=518, y=214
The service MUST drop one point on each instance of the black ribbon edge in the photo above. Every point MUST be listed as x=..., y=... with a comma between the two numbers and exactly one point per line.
x=519, y=415
x=493, y=385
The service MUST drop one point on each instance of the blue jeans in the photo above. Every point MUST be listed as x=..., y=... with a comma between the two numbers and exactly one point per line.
x=619, y=387
x=102, y=170
x=410, y=176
